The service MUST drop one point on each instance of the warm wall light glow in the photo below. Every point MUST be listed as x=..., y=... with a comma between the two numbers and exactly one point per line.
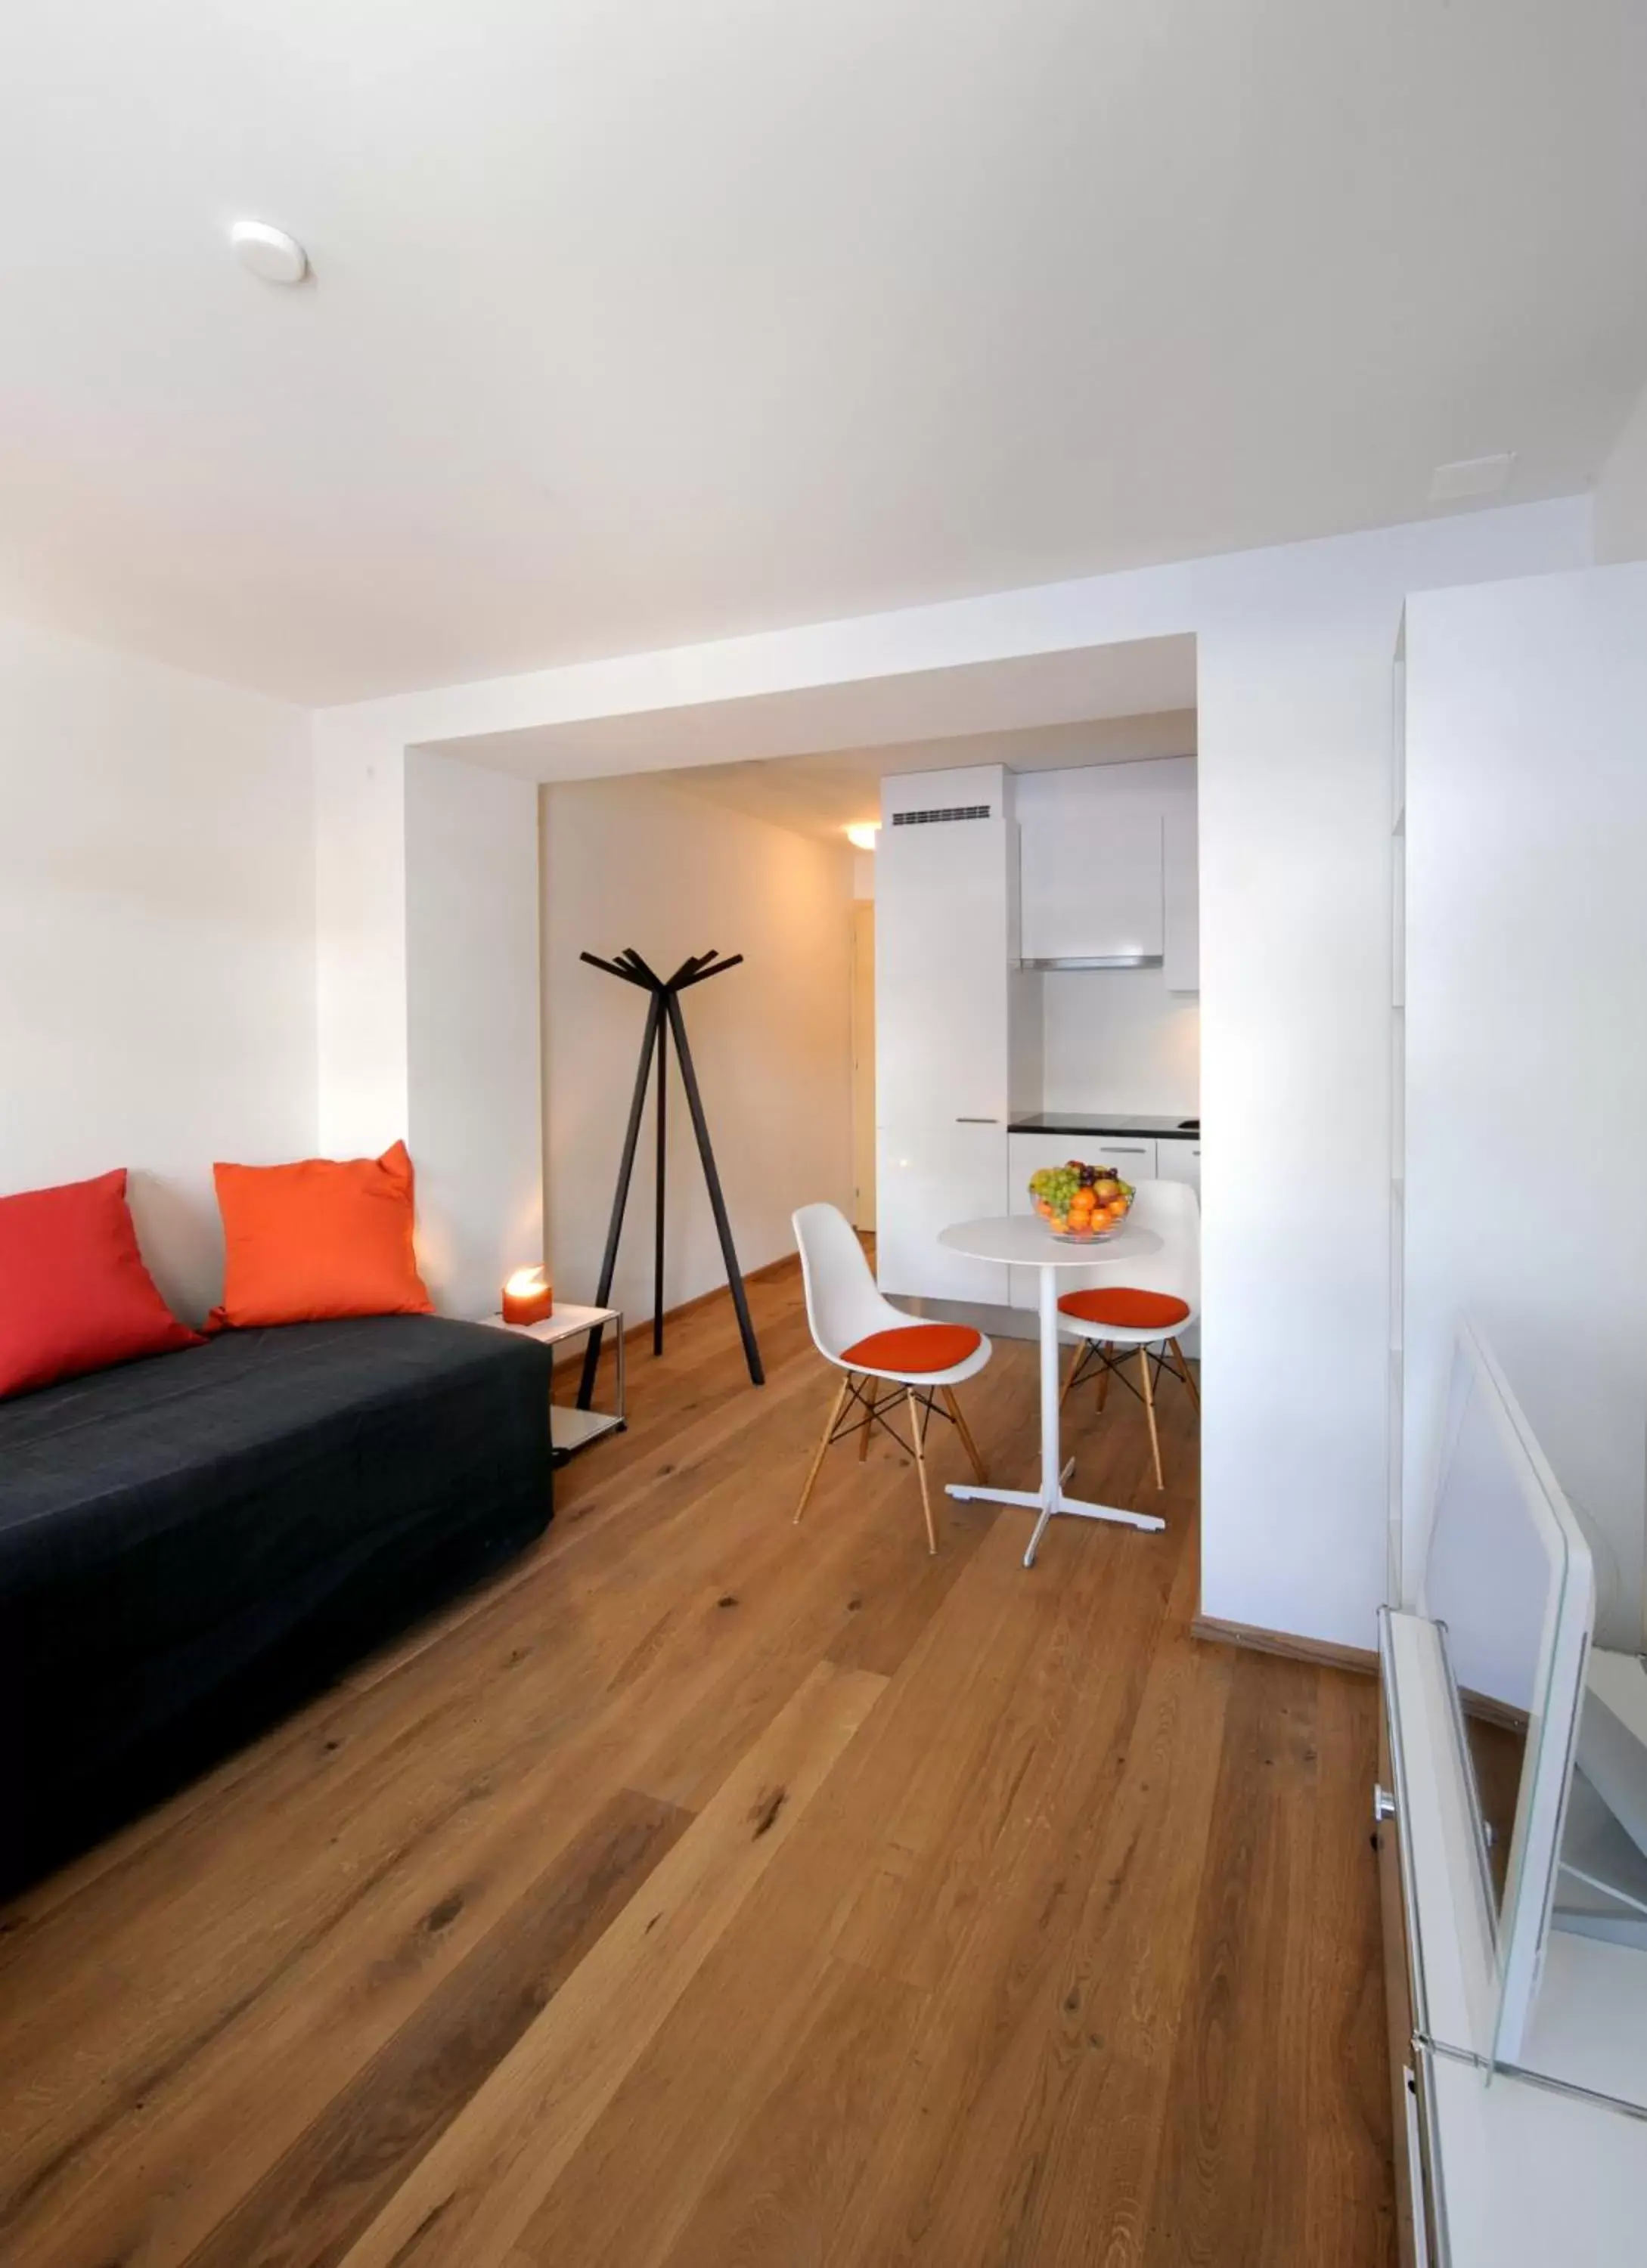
x=527, y=1296
x=861, y=835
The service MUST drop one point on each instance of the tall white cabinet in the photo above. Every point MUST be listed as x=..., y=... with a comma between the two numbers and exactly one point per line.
x=957, y=1031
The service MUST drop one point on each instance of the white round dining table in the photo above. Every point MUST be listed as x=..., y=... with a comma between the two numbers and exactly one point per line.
x=1024, y=1240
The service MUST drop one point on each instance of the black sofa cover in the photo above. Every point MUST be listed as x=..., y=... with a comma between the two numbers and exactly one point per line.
x=191, y=1544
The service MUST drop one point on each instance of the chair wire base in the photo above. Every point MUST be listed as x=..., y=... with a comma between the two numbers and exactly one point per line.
x=862, y=1394
x=1110, y=1357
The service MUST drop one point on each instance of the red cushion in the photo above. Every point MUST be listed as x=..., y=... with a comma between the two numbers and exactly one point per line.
x=74, y=1293
x=1128, y=1310
x=914, y=1346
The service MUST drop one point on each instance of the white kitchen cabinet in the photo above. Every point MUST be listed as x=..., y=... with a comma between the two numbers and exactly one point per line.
x=1181, y=1161
x=1132, y=1157
x=943, y=990
x=1094, y=891
x=1182, y=955
x=933, y=1177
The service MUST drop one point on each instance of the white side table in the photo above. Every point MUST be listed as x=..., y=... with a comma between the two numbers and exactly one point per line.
x=1021, y=1239
x=572, y=1429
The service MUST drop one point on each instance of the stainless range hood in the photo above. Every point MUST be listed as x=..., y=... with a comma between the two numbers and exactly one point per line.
x=1101, y=960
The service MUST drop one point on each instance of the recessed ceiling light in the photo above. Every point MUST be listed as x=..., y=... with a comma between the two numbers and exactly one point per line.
x=269, y=251
x=1471, y=477
x=861, y=835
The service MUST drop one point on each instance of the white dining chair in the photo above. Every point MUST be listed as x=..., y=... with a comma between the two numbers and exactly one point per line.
x=1150, y=1311
x=877, y=1345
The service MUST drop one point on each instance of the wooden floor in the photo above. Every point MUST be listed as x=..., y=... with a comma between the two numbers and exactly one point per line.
x=715, y=1892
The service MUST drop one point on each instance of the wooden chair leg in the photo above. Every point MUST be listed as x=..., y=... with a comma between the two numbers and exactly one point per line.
x=1149, y=1410
x=965, y=1433
x=829, y=1423
x=1184, y=1372
x=868, y=1427
x=915, y=1414
x=1079, y=1357
x=1103, y=1380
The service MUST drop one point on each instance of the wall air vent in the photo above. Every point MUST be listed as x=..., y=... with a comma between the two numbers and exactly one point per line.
x=947, y=812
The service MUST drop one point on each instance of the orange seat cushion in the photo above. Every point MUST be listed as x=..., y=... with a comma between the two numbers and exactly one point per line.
x=915, y=1346
x=1128, y=1311
x=325, y=1237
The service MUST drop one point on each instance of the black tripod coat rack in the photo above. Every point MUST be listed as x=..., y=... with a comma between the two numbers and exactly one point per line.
x=664, y=1018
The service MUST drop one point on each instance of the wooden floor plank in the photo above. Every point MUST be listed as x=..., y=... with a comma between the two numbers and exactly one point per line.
x=418, y=1790
x=322, y=2192
x=382, y=1984
x=723, y=2055
x=1241, y=2174
x=479, y=2186
x=1070, y=2047
x=277, y=2050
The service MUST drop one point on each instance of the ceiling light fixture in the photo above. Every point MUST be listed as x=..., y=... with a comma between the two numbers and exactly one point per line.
x=269, y=251
x=862, y=833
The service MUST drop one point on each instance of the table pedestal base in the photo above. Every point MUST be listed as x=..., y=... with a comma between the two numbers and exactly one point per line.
x=1032, y=1500
x=980, y=1239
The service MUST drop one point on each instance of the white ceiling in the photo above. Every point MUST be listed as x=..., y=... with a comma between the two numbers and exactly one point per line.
x=637, y=325
x=824, y=794
x=1134, y=677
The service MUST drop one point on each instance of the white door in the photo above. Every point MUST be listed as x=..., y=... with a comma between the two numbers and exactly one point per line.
x=1133, y=1158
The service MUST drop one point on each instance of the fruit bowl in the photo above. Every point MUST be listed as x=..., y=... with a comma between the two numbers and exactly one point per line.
x=1081, y=1204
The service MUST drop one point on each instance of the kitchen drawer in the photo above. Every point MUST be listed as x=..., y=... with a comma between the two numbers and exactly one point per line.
x=1132, y=1157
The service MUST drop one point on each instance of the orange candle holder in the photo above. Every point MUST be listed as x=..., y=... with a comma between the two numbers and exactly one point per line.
x=529, y=1296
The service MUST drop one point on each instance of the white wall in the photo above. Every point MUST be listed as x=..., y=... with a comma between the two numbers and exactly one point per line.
x=1622, y=493
x=1294, y=648
x=1115, y=1039
x=157, y=938
x=638, y=863
x=1527, y=1031
x=360, y=857
x=473, y=1077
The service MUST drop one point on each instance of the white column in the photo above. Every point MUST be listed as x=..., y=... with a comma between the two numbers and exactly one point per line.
x=426, y=886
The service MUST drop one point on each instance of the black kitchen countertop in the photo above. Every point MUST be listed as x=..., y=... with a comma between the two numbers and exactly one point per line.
x=1107, y=1121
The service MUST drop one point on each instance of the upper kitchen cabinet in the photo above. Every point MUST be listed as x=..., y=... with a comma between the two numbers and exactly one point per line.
x=1094, y=886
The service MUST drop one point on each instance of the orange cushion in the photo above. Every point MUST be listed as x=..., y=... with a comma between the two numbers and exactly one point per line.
x=322, y=1238
x=1129, y=1311
x=914, y=1346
